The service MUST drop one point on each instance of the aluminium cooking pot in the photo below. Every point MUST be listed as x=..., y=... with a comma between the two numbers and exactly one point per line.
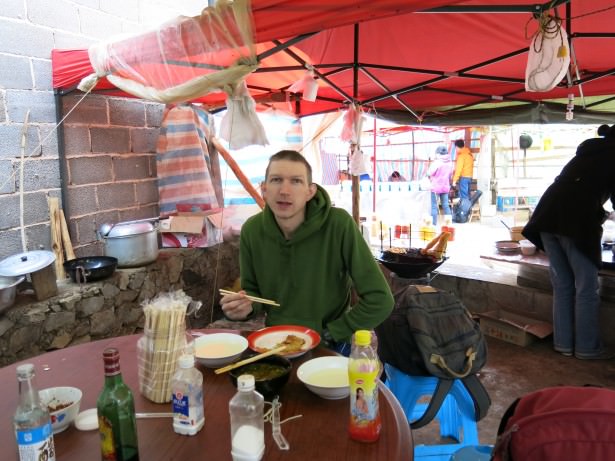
x=91, y=268
x=133, y=243
x=8, y=290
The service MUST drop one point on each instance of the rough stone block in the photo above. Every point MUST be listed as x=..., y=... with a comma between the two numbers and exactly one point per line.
x=131, y=167
x=147, y=192
x=111, y=196
x=10, y=140
x=90, y=170
x=77, y=140
x=41, y=105
x=126, y=112
x=57, y=320
x=26, y=39
x=7, y=177
x=90, y=110
x=41, y=174
x=15, y=72
x=103, y=322
x=110, y=139
x=9, y=204
x=144, y=139
x=89, y=306
x=42, y=74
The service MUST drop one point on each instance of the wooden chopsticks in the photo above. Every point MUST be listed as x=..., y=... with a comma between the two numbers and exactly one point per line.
x=250, y=360
x=251, y=298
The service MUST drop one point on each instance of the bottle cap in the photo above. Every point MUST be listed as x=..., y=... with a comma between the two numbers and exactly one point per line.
x=363, y=337
x=245, y=382
x=25, y=371
x=186, y=361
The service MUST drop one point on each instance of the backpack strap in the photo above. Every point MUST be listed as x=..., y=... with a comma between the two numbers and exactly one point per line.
x=440, y=361
x=479, y=395
x=442, y=388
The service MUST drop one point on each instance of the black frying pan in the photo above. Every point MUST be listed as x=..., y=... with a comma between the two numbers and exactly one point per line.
x=91, y=268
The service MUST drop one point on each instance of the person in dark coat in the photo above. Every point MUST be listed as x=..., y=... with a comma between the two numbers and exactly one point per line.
x=567, y=225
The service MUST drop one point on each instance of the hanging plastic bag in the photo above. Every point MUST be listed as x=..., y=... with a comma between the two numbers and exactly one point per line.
x=358, y=163
x=307, y=85
x=549, y=56
x=240, y=125
x=353, y=121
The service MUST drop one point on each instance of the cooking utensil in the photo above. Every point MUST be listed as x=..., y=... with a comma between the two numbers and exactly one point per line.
x=8, y=290
x=408, y=269
x=252, y=359
x=256, y=299
x=26, y=263
x=506, y=225
x=91, y=268
x=133, y=243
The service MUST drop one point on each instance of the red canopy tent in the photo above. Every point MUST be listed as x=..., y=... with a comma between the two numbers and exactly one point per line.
x=421, y=61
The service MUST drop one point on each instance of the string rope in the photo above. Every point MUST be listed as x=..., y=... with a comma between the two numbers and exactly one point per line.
x=268, y=416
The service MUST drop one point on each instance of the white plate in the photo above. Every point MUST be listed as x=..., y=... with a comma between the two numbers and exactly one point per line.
x=267, y=338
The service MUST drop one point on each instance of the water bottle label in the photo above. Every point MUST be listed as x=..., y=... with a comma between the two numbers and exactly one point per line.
x=36, y=444
x=181, y=405
x=188, y=411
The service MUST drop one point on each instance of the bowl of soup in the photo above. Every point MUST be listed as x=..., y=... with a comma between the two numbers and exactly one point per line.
x=326, y=377
x=270, y=374
x=218, y=349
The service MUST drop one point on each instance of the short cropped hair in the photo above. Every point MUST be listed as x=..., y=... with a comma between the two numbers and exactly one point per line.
x=459, y=143
x=293, y=156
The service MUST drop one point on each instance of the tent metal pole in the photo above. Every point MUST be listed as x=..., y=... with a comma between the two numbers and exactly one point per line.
x=355, y=90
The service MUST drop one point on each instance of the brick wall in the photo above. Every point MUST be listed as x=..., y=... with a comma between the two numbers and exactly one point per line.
x=110, y=171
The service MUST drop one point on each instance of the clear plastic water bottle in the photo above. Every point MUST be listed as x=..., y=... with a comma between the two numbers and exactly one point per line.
x=247, y=424
x=187, y=388
x=363, y=368
x=31, y=421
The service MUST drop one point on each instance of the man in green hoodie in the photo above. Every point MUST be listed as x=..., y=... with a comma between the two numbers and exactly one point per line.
x=307, y=255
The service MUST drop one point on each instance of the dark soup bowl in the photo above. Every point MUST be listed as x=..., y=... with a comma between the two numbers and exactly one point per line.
x=270, y=374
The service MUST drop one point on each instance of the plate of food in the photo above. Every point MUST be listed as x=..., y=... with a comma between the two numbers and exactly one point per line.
x=297, y=339
x=507, y=246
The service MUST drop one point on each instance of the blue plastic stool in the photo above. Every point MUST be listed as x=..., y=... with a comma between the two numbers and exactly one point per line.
x=473, y=453
x=456, y=415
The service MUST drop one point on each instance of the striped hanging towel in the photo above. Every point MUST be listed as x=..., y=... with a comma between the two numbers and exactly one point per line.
x=183, y=161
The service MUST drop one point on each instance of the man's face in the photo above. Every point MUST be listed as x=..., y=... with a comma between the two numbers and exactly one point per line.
x=286, y=190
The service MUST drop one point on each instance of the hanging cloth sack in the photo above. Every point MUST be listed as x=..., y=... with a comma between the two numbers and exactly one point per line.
x=549, y=56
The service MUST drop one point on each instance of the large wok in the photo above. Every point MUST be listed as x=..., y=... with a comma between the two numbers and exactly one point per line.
x=91, y=268
x=408, y=267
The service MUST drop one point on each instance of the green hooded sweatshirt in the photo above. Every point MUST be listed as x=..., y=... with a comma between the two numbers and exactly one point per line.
x=311, y=274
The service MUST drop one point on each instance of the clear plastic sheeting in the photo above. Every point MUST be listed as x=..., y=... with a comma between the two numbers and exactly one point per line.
x=183, y=59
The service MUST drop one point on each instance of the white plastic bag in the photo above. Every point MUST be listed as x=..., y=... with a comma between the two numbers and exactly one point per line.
x=358, y=164
x=545, y=69
x=240, y=125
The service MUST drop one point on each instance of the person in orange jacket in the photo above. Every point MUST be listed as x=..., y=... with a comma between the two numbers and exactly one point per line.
x=464, y=168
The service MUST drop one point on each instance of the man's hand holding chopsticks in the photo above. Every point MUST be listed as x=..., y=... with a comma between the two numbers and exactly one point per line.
x=236, y=306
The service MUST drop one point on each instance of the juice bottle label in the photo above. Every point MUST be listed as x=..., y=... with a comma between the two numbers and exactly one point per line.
x=36, y=444
x=364, y=414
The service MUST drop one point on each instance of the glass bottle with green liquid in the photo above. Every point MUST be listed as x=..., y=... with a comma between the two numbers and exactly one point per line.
x=117, y=422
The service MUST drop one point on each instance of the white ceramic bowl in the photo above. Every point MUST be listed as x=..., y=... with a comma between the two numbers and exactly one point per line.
x=527, y=247
x=63, y=404
x=326, y=377
x=218, y=349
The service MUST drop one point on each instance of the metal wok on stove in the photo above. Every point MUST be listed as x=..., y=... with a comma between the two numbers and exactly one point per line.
x=90, y=269
x=410, y=267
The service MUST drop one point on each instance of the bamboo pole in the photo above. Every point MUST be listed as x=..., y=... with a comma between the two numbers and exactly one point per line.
x=56, y=236
x=245, y=182
x=68, y=246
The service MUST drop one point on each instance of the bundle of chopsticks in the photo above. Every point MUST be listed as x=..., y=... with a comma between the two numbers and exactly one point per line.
x=256, y=299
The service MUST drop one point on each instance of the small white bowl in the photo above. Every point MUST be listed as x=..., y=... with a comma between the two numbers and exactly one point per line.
x=326, y=377
x=527, y=247
x=218, y=349
x=63, y=403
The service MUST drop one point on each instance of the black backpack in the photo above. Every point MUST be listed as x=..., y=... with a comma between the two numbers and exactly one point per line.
x=463, y=208
x=431, y=333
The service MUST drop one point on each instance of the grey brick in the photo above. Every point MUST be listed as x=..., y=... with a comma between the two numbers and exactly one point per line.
x=90, y=3
x=9, y=218
x=147, y=192
x=40, y=103
x=41, y=174
x=86, y=230
x=2, y=107
x=121, y=8
x=7, y=178
x=64, y=15
x=10, y=140
x=81, y=200
x=126, y=112
x=144, y=139
x=152, y=165
x=110, y=139
x=117, y=195
x=71, y=41
x=38, y=237
x=90, y=249
x=92, y=109
x=153, y=114
x=141, y=212
x=13, y=9
x=15, y=72
x=76, y=140
x=10, y=243
x=49, y=140
x=99, y=24
x=25, y=39
x=90, y=170
x=36, y=207
x=131, y=167
x=42, y=74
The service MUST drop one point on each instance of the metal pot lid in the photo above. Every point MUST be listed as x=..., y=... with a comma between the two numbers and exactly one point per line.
x=10, y=282
x=26, y=263
x=125, y=230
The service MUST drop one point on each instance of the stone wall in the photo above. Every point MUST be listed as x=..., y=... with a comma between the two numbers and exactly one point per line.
x=112, y=307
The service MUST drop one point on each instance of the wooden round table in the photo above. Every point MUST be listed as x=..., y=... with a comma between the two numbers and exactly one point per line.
x=320, y=434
